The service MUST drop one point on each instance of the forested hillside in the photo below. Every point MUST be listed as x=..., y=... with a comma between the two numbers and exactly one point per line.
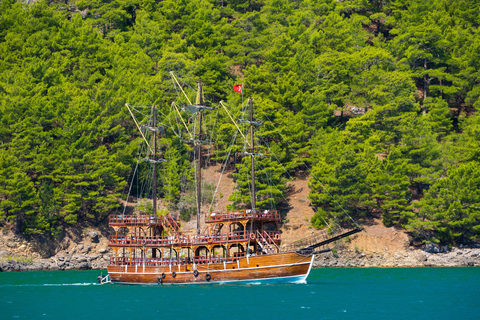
x=380, y=98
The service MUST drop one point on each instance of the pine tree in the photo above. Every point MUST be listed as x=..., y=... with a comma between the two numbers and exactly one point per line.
x=449, y=211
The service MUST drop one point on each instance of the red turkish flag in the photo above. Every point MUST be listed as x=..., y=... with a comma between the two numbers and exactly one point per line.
x=238, y=87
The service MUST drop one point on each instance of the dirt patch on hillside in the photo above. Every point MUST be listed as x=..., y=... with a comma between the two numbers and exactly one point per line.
x=377, y=238
x=212, y=175
x=374, y=238
x=225, y=187
x=297, y=221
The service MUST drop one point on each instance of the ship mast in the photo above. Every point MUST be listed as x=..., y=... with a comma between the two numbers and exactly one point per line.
x=154, y=128
x=253, y=123
x=199, y=102
x=196, y=139
x=154, y=158
x=151, y=157
x=252, y=157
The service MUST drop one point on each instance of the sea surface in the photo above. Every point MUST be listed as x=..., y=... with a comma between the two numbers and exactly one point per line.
x=345, y=293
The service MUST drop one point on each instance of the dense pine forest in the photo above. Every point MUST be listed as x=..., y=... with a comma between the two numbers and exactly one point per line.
x=379, y=98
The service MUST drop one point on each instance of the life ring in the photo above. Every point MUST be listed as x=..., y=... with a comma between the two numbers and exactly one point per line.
x=208, y=277
x=163, y=275
x=277, y=236
x=177, y=241
x=159, y=280
x=210, y=239
x=195, y=273
x=174, y=274
x=252, y=236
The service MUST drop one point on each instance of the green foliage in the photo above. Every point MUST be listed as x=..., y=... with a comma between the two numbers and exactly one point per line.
x=144, y=207
x=20, y=259
x=451, y=207
x=19, y=199
x=320, y=219
x=406, y=74
x=63, y=144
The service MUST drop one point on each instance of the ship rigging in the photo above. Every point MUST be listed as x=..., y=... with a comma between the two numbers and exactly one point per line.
x=236, y=245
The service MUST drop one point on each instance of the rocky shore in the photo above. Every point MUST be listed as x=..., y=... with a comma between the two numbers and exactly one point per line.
x=74, y=250
x=456, y=257
x=71, y=263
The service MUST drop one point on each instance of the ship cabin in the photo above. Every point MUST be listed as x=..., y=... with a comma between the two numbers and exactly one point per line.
x=157, y=240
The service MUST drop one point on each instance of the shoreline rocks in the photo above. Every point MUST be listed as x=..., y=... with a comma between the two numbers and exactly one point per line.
x=411, y=258
x=81, y=262
x=74, y=250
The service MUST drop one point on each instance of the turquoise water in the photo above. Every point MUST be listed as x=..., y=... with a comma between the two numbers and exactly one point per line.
x=400, y=293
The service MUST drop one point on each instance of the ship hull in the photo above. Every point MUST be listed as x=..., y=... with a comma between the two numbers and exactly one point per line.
x=274, y=268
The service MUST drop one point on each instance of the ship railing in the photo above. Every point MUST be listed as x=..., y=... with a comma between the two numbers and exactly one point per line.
x=142, y=220
x=221, y=238
x=214, y=259
x=317, y=237
x=171, y=222
x=179, y=239
x=268, y=239
x=149, y=261
x=237, y=236
x=148, y=241
x=206, y=260
x=242, y=214
x=272, y=235
x=155, y=262
x=139, y=240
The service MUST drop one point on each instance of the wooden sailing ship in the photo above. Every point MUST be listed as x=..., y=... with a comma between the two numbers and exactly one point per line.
x=236, y=246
